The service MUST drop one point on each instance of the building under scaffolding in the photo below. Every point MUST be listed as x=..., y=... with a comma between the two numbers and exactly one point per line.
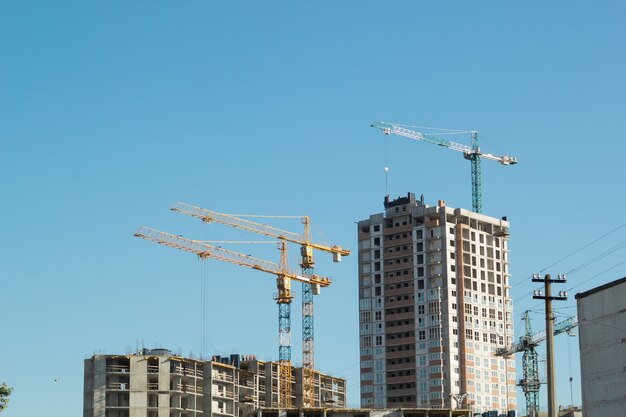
x=157, y=383
x=362, y=412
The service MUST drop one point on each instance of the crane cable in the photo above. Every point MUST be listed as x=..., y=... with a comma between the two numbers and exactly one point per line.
x=204, y=273
x=440, y=129
x=386, y=168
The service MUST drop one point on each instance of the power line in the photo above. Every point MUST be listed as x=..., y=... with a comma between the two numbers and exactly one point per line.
x=575, y=252
x=598, y=274
x=584, y=247
x=586, y=263
x=592, y=277
x=597, y=258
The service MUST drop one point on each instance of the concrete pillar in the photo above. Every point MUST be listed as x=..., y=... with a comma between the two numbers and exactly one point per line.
x=138, y=400
x=164, y=387
x=99, y=384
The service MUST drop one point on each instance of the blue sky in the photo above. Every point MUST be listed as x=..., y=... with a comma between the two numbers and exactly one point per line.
x=111, y=111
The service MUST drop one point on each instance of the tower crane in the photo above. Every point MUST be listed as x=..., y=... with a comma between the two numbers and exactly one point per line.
x=308, y=288
x=471, y=153
x=283, y=282
x=531, y=382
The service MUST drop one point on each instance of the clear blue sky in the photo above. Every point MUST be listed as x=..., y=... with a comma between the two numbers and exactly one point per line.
x=111, y=111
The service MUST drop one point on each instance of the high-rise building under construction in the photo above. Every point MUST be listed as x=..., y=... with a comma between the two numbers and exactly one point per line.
x=434, y=305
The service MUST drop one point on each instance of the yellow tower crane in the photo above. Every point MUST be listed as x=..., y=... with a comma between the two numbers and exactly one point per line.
x=308, y=288
x=284, y=276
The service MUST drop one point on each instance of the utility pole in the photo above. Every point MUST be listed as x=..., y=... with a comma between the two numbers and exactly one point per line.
x=548, y=297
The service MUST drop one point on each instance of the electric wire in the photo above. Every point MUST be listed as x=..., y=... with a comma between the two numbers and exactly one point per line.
x=592, y=277
x=583, y=247
x=597, y=258
x=597, y=275
x=584, y=264
x=574, y=253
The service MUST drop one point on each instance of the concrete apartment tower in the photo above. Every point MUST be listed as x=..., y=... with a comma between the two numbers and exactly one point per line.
x=434, y=305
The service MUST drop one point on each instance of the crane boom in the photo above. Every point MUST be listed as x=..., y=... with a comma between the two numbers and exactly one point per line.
x=525, y=342
x=471, y=153
x=560, y=327
x=205, y=250
x=258, y=228
x=308, y=289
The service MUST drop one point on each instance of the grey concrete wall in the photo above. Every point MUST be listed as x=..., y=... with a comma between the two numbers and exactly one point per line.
x=88, y=389
x=138, y=399
x=602, y=318
x=164, y=386
x=99, y=385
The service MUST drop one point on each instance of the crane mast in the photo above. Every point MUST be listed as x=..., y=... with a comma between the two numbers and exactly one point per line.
x=308, y=288
x=530, y=382
x=472, y=153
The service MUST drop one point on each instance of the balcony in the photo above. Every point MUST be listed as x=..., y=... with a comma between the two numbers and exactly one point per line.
x=220, y=376
x=118, y=386
x=190, y=389
x=116, y=369
x=223, y=394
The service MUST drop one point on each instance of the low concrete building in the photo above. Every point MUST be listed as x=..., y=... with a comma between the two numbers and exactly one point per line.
x=156, y=383
x=363, y=412
x=601, y=322
x=150, y=383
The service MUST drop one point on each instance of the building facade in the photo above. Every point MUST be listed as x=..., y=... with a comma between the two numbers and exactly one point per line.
x=434, y=305
x=156, y=383
x=601, y=324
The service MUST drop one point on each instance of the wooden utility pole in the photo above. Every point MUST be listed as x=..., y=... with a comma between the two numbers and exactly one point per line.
x=548, y=297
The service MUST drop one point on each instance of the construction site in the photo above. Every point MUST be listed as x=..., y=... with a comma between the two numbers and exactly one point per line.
x=436, y=333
